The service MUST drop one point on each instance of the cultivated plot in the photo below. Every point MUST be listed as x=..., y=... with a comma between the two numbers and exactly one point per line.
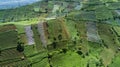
x=42, y=33
x=8, y=39
x=92, y=33
x=29, y=34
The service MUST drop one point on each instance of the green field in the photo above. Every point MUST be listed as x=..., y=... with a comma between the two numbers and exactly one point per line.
x=69, y=59
x=57, y=30
x=38, y=43
x=8, y=39
x=117, y=30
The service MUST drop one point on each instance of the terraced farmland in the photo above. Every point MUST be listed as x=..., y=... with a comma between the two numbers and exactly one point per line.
x=8, y=39
x=117, y=30
x=10, y=54
x=61, y=33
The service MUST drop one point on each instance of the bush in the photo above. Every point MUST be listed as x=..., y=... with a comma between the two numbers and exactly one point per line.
x=64, y=50
x=20, y=48
x=60, y=37
x=54, y=44
x=79, y=52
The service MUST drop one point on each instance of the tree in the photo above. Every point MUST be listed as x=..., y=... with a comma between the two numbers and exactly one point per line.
x=101, y=62
x=60, y=37
x=87, y=54
x=0, y=51
x=54, y=44
x=46, y=1
x=54, y=39
x=20, y=48
x=74, y=42
x=64, y=50
x=87, y=64
x=46, y=10
x=79, y=52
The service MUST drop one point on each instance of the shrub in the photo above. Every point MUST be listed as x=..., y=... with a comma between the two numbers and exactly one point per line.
x=20, y=48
